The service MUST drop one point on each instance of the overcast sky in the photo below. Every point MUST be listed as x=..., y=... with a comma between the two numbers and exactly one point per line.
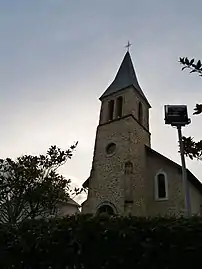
x=58, y=56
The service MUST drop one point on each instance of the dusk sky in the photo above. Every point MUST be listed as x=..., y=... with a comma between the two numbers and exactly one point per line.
x=58, y=56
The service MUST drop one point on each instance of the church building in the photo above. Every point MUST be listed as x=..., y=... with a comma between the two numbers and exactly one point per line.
x=128, y=177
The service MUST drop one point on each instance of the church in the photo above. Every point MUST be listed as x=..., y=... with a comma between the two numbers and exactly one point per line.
x=128, y=177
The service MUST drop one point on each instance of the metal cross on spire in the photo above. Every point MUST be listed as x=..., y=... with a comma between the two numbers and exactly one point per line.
x=128, y=46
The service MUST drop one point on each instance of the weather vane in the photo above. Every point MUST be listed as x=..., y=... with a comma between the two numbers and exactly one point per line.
x=128, y=45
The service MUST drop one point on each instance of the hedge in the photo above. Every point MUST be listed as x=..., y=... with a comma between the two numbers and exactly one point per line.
x=102, y=242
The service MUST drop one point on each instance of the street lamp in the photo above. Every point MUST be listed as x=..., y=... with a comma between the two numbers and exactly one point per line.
x=177, y=116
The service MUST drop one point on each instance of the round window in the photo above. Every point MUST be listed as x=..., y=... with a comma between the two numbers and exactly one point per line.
x=110, y=149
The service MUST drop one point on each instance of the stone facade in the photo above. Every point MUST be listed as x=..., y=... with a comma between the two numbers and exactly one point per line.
x=175, y=203
x=124, y=177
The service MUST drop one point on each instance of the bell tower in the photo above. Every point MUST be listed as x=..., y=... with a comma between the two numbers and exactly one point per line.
x=117, y=179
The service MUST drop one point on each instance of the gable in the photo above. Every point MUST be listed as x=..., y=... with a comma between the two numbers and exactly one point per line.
x=190, y=176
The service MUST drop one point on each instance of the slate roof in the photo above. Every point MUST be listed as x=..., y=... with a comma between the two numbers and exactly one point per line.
x=125, y=77
x=70, y=202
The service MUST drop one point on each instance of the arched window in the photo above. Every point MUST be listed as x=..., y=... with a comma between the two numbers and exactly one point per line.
x=161, y=186
x=110, y=109
x=119, y=106
x=128, y=168
x=140, y=113
x=105, y=209
x=128, y=183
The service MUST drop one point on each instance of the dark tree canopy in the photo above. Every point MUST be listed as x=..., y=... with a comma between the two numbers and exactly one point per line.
x=193, y=149
x=31, y=186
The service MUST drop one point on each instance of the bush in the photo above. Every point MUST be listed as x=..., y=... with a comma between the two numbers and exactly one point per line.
x=101, y=242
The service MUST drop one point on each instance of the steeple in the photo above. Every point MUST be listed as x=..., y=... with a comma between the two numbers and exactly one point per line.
x=125, y=77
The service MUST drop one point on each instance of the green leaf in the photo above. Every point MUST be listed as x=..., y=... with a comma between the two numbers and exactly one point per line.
x=182, y=61
x=186, y=61
x=184, y=67
x=198, y=109
x=198, y=65
x=191, y=62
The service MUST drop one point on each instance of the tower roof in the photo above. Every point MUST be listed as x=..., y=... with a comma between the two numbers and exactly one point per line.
x=125, y=77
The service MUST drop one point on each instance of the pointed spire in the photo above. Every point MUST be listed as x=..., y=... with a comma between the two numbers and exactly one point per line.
x=125, y=77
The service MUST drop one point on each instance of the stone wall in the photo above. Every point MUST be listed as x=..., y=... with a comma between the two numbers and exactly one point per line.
x=175, y=203
x=107, y=176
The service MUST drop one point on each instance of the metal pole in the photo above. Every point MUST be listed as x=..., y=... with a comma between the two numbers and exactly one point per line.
x=184, y=174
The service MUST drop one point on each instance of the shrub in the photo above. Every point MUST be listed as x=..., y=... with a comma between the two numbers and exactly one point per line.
x=101, y=242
